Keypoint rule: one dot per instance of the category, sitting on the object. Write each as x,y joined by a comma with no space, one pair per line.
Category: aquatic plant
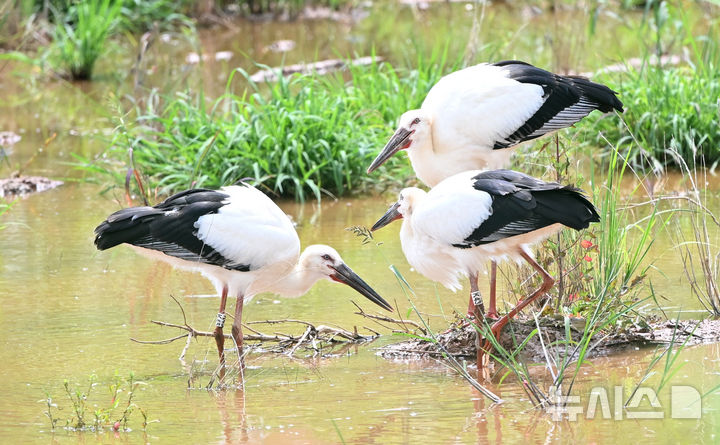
80,35
305,135
84,416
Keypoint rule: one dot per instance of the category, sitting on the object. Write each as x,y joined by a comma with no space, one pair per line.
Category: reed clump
303,136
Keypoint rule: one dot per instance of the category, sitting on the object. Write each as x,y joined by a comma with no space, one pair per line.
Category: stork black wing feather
568,99
522,204
502,181
507,210
168,227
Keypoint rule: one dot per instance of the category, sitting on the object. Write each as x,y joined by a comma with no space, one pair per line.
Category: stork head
414,127
323,262
403,208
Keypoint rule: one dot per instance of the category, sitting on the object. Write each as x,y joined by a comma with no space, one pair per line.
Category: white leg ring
220,321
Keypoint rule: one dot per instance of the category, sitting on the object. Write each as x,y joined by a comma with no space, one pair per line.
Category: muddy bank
460,342
24,185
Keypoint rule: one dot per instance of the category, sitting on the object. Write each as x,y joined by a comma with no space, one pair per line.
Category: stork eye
415,121
326,257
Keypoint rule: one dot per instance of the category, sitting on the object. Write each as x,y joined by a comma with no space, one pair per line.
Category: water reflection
233,419
481,415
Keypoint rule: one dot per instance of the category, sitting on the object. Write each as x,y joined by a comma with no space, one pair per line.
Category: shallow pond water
68,311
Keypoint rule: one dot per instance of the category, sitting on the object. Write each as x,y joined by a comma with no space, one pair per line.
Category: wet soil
460,341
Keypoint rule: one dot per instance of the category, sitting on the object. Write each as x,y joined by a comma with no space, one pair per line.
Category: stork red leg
492,311
473,290
547,283
476,309
237,326
219,323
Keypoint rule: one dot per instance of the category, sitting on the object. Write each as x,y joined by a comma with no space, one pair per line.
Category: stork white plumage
474,118
453,229
237,238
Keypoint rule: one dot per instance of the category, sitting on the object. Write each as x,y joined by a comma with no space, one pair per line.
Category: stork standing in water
238,239
473,216
474,118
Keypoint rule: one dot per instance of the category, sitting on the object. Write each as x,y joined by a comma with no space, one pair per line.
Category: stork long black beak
391,215
400,140
345,275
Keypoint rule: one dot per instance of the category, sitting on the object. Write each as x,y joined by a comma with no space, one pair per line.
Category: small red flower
586,244
587,258
116,427
573,297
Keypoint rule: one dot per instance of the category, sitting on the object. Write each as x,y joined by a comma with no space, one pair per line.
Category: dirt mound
460,342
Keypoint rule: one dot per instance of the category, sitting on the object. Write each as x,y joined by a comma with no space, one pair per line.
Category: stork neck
429,167
295,283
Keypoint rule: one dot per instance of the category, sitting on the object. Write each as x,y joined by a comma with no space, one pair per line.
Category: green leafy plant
81,34
108,417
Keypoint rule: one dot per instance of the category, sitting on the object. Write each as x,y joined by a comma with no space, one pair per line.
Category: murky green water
68,311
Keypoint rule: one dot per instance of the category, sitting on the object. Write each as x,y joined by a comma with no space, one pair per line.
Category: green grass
81,34
663,105
669,105
301,137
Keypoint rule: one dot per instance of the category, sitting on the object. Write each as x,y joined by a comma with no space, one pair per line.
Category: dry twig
316,340
400,322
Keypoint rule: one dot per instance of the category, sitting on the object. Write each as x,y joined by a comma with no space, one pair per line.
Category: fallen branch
316,340
321,67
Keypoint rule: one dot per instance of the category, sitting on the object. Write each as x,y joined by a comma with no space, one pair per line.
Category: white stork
475,117
473,216
238,239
